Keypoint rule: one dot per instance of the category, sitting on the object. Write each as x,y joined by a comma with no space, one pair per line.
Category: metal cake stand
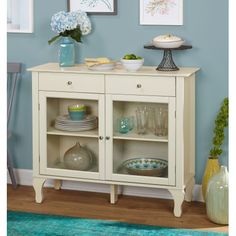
167,63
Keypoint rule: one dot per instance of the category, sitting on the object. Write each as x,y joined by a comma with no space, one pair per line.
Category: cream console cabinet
111,95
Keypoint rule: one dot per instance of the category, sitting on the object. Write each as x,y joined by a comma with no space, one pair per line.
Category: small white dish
132,65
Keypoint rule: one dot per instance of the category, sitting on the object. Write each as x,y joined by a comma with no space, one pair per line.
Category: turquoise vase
217,197
67,52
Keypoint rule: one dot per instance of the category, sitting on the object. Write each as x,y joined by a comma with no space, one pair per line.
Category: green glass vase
217,197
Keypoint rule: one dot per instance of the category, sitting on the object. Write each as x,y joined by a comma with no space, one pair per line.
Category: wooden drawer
140,85
71,82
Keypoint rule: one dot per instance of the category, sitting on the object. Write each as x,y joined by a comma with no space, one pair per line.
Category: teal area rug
29,224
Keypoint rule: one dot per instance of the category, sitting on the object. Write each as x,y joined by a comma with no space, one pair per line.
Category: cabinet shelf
140,137
89,133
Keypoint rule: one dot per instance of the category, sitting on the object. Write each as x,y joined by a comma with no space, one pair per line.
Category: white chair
13,74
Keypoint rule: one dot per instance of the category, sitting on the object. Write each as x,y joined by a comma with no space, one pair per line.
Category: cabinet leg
57,184
189,190
178,196
114,194
38,188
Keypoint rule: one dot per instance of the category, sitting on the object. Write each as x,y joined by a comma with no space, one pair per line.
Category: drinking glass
142,120
161,121
131,122
151,119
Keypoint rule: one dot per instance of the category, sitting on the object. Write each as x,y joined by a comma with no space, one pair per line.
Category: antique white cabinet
111,95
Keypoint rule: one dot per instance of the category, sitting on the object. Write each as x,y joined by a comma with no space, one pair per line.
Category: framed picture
20,16
96,7
161,12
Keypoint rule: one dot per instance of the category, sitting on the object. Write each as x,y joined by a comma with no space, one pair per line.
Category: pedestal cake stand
167,63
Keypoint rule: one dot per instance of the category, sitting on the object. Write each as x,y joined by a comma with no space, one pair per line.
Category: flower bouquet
70,24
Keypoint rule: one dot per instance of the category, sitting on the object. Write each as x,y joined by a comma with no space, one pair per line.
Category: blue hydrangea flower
62,21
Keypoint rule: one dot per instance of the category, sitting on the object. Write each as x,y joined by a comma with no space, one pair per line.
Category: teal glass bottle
67,52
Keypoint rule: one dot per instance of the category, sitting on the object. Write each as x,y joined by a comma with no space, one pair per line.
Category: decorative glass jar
78,158
67,52
217,197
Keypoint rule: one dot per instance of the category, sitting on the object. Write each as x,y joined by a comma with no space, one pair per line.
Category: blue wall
205,27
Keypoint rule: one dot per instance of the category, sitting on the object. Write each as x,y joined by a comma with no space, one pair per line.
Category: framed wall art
96,7
161,12
19,16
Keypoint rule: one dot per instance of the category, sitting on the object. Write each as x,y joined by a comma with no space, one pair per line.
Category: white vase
217,197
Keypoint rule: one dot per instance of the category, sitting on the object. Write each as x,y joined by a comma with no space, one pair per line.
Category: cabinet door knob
101,137
107,138
139,86
69,83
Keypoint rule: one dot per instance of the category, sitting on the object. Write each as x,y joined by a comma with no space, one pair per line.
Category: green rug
28,224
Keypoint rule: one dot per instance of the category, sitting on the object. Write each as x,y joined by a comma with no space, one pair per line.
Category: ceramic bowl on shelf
77,107
146,166
132,65
77,111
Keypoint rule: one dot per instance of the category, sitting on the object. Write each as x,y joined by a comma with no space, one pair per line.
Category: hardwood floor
131,209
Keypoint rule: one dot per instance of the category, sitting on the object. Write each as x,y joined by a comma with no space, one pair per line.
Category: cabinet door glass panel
72,146
142,139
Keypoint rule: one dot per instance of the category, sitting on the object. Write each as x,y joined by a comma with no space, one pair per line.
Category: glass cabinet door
140,145
71,127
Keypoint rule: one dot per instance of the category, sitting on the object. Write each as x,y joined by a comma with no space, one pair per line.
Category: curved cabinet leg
178,196
38,188
114,194
189,190
57,184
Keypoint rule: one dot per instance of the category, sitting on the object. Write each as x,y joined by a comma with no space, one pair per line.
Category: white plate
103,67
168,44
74,129
66,119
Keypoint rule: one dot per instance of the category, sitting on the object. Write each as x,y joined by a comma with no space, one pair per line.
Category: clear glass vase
67,52
217,197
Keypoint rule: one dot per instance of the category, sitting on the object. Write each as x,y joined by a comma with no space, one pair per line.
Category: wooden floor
129,209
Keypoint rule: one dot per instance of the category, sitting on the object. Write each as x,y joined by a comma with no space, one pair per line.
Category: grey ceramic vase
217,197
78,158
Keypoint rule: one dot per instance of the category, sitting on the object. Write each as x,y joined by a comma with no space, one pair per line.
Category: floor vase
217,197
212,168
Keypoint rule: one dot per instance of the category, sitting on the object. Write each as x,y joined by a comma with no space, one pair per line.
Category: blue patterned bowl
146,166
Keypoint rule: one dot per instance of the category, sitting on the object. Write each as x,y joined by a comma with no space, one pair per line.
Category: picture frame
20,16
161,12
94,7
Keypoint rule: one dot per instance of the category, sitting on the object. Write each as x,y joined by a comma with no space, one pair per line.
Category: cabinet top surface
82,69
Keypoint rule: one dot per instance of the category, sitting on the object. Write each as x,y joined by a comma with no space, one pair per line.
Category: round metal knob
69,83
107,138
139,86
101,137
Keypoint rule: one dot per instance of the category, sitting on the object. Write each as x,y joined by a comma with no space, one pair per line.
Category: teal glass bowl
77,115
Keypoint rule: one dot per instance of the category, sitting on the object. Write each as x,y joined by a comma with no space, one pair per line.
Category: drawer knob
101,137
107,138
69,83
139,86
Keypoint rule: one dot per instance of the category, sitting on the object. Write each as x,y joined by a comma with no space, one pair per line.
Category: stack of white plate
66,124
